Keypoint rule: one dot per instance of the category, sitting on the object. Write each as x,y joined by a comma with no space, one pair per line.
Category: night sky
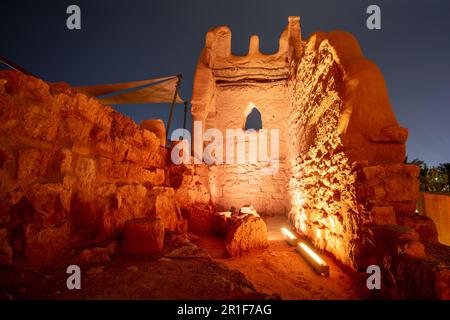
135,40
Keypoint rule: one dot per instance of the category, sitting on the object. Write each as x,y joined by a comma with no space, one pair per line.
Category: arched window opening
253,120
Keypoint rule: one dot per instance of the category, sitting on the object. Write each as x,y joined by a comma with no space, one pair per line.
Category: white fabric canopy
159,90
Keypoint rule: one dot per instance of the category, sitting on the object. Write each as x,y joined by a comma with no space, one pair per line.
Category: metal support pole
14,66
185,114
171,108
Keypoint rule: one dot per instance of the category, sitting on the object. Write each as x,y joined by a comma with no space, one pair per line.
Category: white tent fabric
159,90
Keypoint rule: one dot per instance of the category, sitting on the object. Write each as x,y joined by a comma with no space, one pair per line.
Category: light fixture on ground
318,264
289,236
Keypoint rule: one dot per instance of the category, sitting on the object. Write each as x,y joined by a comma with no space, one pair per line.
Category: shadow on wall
437,207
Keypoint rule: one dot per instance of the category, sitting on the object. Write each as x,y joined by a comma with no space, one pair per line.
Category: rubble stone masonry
72,171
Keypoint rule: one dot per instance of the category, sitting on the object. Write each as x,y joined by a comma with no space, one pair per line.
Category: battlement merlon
218,66
218,40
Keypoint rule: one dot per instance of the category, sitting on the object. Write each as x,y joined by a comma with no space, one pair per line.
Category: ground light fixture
316,262
289,236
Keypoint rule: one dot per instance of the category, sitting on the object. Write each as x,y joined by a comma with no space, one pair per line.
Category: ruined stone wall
193,195
342,152
247,184
72,171
347,151
226,89
322,183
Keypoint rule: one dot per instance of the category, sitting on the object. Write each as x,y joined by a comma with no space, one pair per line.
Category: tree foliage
432,178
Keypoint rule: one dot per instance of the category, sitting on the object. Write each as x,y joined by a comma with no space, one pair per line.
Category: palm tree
444,168
415,161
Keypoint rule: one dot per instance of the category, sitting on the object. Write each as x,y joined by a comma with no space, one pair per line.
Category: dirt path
189,274
281,270
187,271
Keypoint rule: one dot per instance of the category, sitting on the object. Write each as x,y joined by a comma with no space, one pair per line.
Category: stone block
157,127
250,234
45,245
159,177
424,226
31,163
85,170
401,189
374,173
383,215
392,134
163,201
200,218
143,236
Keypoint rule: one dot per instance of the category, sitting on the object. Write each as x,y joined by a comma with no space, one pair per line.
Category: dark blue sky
135,40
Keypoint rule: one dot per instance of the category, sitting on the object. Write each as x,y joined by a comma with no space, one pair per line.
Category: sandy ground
201,272
281,270
188,276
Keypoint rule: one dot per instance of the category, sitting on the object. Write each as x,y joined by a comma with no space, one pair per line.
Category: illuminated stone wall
72,171
347,152
247,184
226,89
343,181
322,183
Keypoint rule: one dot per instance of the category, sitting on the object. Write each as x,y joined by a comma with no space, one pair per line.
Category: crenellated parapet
218,66
255,66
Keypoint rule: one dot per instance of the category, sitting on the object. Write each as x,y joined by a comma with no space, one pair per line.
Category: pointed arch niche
253,119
